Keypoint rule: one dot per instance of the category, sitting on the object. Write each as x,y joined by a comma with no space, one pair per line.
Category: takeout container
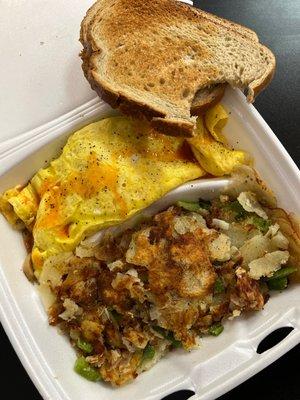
222,362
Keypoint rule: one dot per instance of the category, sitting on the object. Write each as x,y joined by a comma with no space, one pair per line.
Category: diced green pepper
83,368
84,346
194,205
216,329
278,284
204,204
240,216
219,286
188,205
175,343
168,335
261,224
149,353
160,330
115,316
235,207
282,273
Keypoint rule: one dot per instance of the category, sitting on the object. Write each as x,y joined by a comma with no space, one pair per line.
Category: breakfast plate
222,362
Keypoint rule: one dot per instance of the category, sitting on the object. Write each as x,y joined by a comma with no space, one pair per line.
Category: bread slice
206,98
159,59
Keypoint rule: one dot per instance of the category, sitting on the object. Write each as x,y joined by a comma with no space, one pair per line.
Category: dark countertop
278,25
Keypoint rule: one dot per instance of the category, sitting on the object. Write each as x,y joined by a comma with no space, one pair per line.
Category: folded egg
107,171
214,156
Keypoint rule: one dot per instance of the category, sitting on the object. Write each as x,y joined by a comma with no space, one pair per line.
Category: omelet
215,120
107,171
209,144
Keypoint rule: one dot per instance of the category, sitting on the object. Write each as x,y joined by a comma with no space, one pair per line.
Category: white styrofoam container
37,64
222,362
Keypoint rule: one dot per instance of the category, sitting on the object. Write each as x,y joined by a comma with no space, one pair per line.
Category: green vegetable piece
282,273
240,216
116,316
84,346
83,368
278,284
216,329
193,205
149,353
261,224
235,207
175,343
204,204
160,330
188,205
168,335
219,286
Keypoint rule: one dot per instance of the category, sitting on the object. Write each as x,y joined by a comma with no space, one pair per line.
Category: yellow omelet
209,144
215,120
107,171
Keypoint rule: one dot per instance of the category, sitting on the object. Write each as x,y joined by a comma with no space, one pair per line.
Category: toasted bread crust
173,127
263,83
209,98
155,102
125,105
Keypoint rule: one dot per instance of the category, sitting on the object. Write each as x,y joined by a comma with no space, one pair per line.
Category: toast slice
167,61
206,98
